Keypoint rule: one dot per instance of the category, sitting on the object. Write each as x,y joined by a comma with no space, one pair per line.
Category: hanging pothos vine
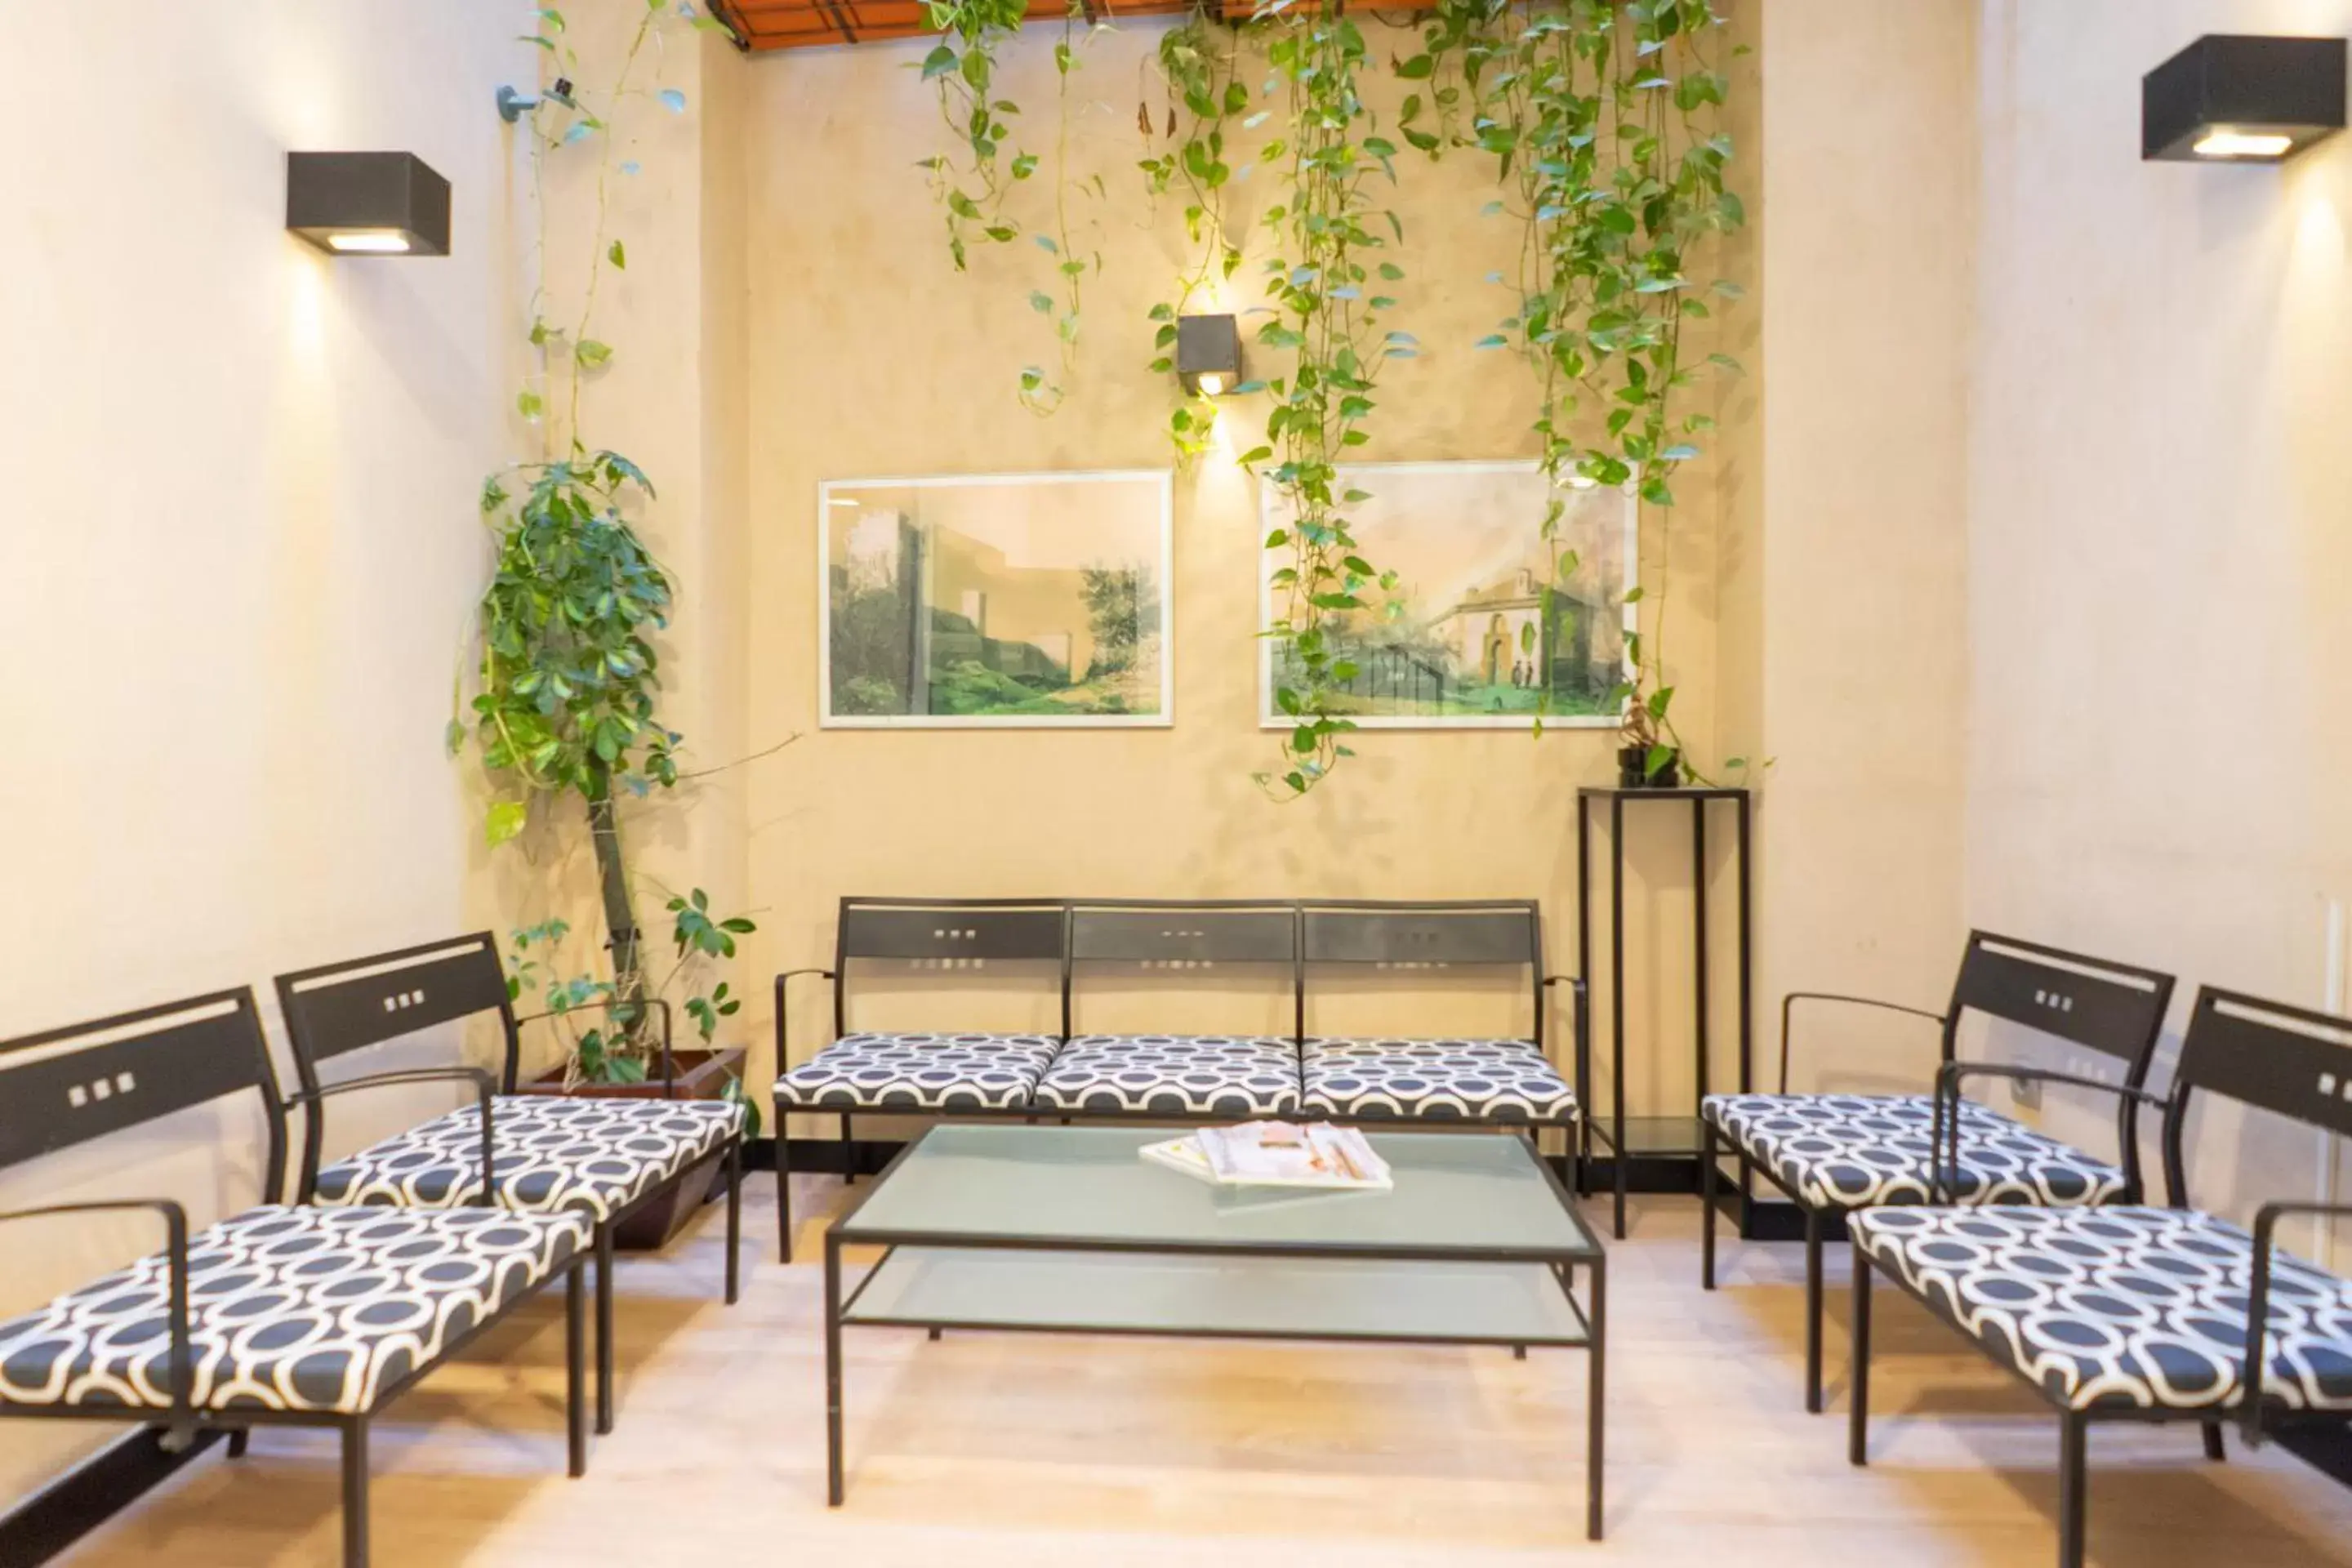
1324,315
973,184
1601,117
566,670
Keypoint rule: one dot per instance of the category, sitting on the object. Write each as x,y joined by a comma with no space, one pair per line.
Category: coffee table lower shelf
1217,1296
1221,1295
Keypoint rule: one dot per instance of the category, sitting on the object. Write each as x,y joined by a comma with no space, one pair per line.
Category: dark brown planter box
695,1075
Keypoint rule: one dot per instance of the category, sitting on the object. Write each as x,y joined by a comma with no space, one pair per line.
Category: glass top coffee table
1066,1230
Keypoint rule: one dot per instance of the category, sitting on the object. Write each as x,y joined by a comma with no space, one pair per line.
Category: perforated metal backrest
1500,932
341,1007
1484,934
1011,930
1173,933
2114,1008
67,1086
947,933
2291,1062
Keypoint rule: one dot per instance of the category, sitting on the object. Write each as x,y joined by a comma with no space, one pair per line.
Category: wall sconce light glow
2234,98
2237,145
367,203
1208,355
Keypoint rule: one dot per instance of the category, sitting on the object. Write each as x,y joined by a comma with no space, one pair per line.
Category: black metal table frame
1563,1266
1613,1133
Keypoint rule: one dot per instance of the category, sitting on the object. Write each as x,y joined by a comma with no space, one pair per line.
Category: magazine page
1282,1153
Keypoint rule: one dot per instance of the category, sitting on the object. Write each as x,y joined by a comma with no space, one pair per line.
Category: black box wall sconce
1208,355
367,203
2229,97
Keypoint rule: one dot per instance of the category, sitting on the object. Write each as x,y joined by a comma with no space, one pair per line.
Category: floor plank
1018,1449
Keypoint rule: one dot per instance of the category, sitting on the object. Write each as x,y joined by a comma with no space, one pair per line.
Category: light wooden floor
1012,1449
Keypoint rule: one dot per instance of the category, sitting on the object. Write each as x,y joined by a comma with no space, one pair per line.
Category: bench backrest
948,934
1485,934
337,1008
2115,1009
65,1087
2291,1062
1176,935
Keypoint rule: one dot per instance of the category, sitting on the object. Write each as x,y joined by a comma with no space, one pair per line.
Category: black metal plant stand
1677,1140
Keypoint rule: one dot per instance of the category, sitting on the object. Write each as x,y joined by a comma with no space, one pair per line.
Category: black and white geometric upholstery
918,1072
1175,1074
1439,1080
597,1155
2121,1308
1859,1151
289,1308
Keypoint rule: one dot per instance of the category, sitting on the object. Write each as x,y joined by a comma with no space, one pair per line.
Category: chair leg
1857,1441
848,1153
2214,1448
604,1329
239,1439
1812,1312
783,1190
1707,1205
2071,1464
355,1494
734,1222
575,1379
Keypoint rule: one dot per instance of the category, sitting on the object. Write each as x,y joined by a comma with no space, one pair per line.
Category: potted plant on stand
1647,757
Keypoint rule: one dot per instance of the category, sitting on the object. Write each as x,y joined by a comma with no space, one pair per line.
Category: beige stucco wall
871,356
239,545
2159,537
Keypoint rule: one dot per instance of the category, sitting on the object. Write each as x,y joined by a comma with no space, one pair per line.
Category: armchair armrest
2258,1307
1789,1005
657,1007
783,1039
1949,1078
181,1430
485,1090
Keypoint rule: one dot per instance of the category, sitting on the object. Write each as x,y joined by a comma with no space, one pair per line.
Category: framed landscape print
999,600
1469,639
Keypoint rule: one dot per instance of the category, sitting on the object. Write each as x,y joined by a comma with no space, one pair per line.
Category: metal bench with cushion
1495,1082
277,1315
2135,1313
1835,1155
601,1158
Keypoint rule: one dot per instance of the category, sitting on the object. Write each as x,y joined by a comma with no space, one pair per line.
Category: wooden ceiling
768,25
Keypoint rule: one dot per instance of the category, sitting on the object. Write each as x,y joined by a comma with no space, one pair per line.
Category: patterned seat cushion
1174,1075
918,1072
553,1152
2122,1308
289,1309
1851,1151
1442,1081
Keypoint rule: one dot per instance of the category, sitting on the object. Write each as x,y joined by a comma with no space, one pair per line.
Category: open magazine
1276,1155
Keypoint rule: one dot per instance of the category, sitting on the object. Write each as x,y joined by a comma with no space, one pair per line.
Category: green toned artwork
1022,599
1489,625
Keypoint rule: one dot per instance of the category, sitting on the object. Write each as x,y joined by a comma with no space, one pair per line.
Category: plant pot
694,1075
1633,770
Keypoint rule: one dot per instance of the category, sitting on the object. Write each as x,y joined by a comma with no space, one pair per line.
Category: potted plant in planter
619,1042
